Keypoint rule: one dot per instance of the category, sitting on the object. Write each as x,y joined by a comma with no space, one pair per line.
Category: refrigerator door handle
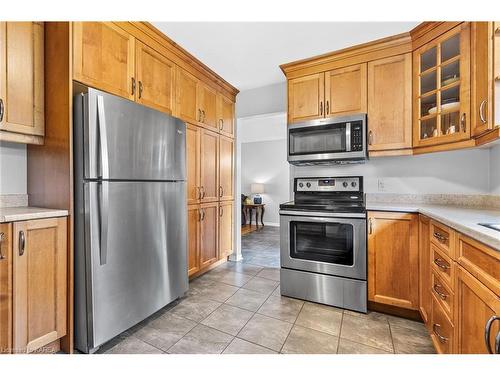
103,140
103,222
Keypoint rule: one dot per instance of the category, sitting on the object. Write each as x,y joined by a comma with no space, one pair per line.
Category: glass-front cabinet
441,81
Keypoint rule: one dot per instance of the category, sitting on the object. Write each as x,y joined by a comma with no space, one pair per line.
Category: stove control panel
328,184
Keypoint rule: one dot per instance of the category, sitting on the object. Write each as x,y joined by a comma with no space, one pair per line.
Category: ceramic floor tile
213,290
303,340
195,308
373,315
239,346
132,345
233,278
228,319
411,341
321,318
165,331
282,308
276,291
202,340
270,273
265,331
247,299
261,285
247,269
367,331
351,347
405,323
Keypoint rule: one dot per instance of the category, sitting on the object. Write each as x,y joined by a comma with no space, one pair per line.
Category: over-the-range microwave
335,140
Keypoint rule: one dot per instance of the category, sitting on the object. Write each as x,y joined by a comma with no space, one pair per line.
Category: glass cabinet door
442,88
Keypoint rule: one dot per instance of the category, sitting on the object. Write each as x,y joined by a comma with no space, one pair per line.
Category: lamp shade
257,188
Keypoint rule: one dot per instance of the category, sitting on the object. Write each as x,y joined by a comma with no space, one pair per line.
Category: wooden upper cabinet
476,304
22,81
155,79
209,166
187,96
393,259
441,85
482,80
103,57
345,91
5,288
226,168
225,229
225,115
193,139
194,217
209,234
207,102
424,272
40,283
306,98
389,103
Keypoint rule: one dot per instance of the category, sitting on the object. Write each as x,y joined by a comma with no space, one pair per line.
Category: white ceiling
248,54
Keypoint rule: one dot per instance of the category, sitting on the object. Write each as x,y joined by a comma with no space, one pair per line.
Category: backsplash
13,200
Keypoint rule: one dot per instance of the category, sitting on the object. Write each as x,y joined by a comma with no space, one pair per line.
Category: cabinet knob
1,110
321,108
221,124
487,330
370,137
370,226
2,236
199,115
22,243
327,107
481,111
140,89
133,86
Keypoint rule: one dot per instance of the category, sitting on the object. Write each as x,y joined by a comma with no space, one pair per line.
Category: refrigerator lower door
136,234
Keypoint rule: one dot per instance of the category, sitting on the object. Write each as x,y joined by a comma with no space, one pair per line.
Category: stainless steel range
323,242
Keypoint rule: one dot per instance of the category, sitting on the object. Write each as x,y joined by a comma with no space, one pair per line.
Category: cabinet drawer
443,266
443,294
481,261
442,330
443,237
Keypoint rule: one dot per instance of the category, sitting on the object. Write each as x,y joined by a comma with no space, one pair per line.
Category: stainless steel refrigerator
130,215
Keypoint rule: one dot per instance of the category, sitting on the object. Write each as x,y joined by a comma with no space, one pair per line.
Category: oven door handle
347,215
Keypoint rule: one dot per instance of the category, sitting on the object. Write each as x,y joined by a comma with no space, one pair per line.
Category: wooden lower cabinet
424,270
225,229
209,234
194,218
393,259
476,304
441,329
5,288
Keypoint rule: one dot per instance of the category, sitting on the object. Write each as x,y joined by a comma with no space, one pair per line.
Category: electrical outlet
381,185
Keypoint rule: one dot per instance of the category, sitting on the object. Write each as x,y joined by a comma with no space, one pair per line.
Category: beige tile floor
237,309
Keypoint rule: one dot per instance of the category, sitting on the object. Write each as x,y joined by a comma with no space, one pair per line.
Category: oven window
323,242
317,140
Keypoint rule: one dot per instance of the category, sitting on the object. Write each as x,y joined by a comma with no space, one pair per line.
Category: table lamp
257,189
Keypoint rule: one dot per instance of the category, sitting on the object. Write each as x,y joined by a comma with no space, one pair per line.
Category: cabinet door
345,91
225,229
40,263
194,217
193,139
226,168
22,77
393,259
155,79
207,101
208,234
389,103
424,263
209,165
306,98
187,96
225,109
476,304
482,35
5,288
103,57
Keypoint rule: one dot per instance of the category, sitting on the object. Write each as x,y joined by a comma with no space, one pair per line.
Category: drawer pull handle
440,237
2,237
481,112
441,264
440,294
22,243
441,338
487,330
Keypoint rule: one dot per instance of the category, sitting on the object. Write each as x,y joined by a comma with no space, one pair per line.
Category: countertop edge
13,214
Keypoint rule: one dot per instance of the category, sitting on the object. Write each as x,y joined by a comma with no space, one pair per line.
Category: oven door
328,245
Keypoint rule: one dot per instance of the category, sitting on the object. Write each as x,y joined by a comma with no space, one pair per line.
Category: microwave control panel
356,136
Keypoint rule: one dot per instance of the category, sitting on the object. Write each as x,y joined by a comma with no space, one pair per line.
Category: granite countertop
462,219
8,214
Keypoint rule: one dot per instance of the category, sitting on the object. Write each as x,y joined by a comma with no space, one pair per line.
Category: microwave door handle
348,136
103,137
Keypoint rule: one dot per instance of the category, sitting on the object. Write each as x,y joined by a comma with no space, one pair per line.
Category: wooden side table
247,211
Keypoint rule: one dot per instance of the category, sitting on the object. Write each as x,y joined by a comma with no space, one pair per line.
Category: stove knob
308,184
353,184
345,184
301,184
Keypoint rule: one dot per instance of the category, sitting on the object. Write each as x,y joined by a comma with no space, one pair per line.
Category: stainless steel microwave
336,140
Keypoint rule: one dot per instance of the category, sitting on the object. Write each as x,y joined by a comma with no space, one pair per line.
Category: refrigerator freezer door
135,234
127,141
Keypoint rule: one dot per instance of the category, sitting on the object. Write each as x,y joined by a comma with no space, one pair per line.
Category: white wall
454,172
13,175
495,170
262,162
262,100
